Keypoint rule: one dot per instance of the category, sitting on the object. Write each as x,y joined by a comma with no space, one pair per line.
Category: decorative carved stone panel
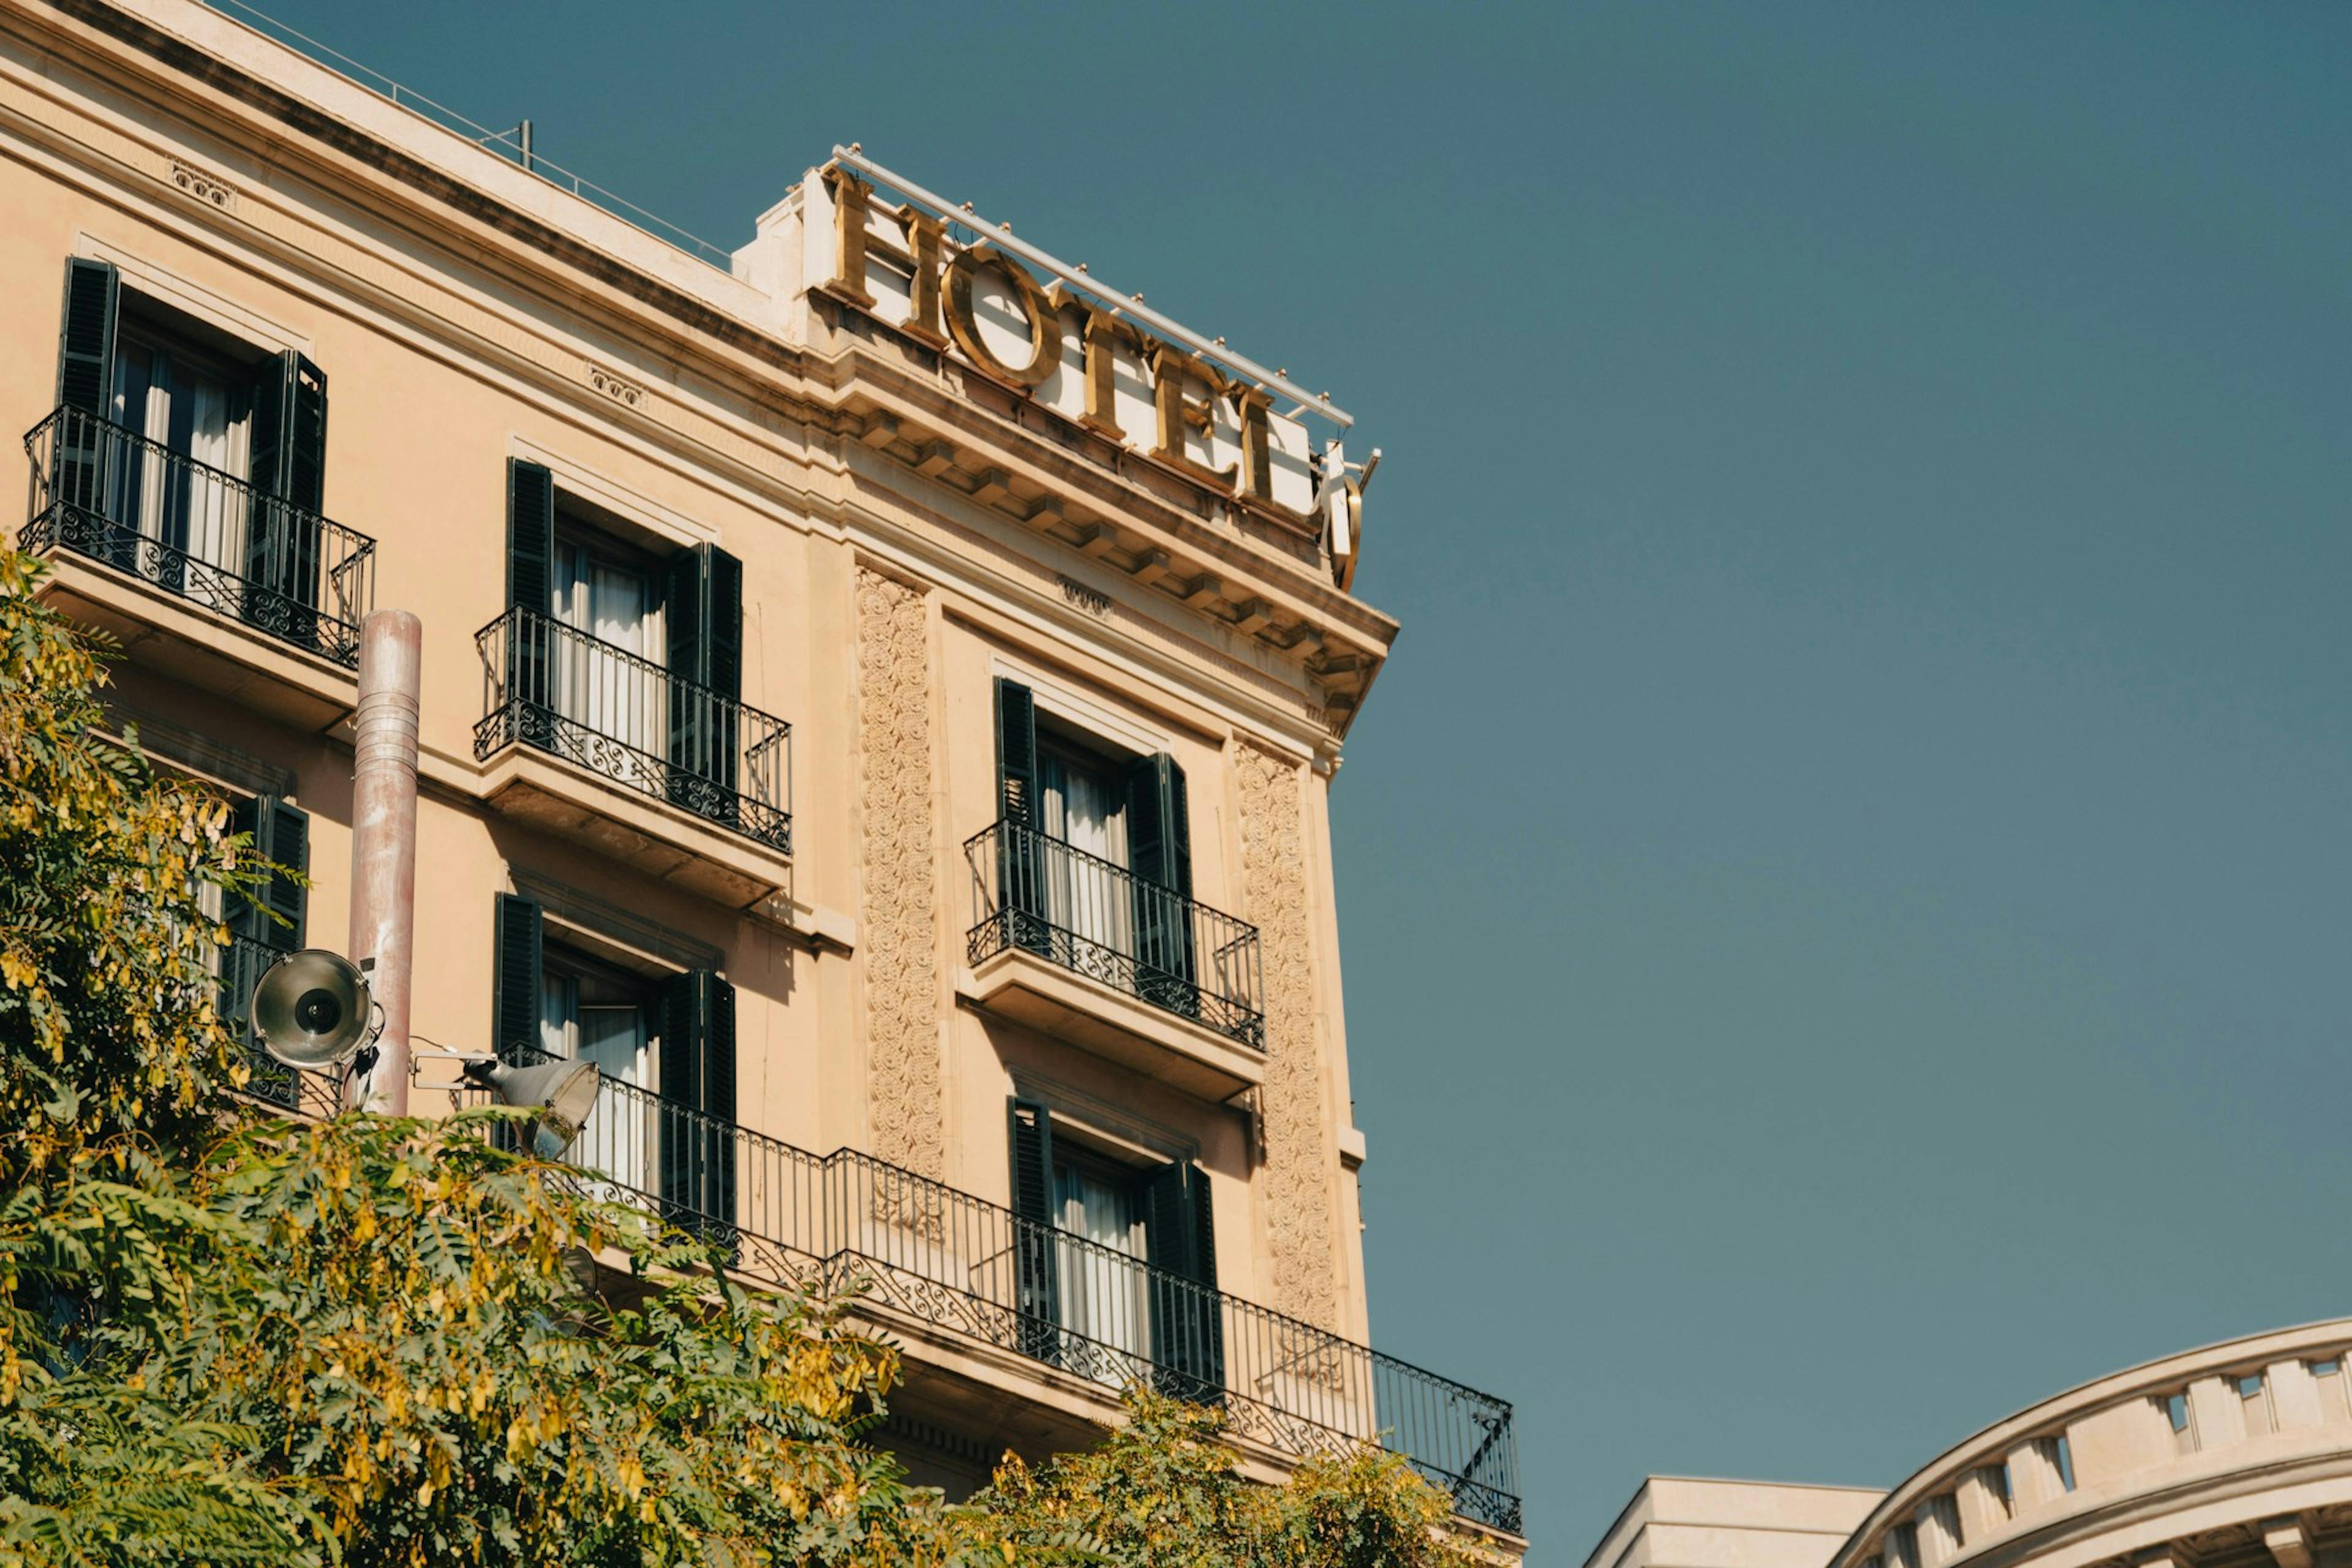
1300,1166
898,914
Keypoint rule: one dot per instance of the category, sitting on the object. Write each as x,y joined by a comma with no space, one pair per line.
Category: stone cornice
1163,530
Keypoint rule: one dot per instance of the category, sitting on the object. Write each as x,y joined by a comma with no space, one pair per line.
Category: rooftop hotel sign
1083,354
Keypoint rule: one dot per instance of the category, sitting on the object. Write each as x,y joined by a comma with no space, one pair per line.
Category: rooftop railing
952,1260
620,714
105,491
1031,891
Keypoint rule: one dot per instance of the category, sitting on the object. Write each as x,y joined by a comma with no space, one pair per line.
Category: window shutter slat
698,1072
1187,1344
1159,852
282,834
719,1104
679,1074
703,612
1168,1221
1209,1325
517,930
287,456
246,916
1205,1230
86,339
722,643
1036,1288
530,586
289,835
531,537
1176,827
1016,752
1020,859
684,608
302,468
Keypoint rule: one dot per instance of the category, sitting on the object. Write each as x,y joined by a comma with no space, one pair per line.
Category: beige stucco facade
912,533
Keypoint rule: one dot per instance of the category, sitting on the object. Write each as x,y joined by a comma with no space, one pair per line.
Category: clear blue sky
1847,876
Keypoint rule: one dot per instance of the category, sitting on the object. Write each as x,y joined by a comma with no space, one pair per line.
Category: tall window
189,403
1094,855
160,422
611,595
1083,801
593,1011
664,1041
1117,1257
609,642
1102,1294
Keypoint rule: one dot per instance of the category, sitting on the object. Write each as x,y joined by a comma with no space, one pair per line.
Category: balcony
943,1268
197,572
666,776
1087,950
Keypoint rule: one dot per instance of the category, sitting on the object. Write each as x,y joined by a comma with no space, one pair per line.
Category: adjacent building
2236,1455
880,697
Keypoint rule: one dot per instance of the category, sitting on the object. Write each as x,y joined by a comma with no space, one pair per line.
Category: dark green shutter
1180,1240
1037,1295
1208,1330
1160,853
281,836
531,537
86,341
530,588
1016,753
85,395
302,471
1158,826
1020,850
703,611
698,1075
286,456
1167,1233
514,979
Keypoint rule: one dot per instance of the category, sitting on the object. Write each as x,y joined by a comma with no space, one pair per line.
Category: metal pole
525,138
383,842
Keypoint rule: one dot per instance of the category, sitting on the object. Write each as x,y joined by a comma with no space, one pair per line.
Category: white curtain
609,694
617,1140
1087,811
193,413
1102,1296
216,510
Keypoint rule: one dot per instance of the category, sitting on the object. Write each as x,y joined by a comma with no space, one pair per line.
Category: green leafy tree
106,989
1166,1490
228,1338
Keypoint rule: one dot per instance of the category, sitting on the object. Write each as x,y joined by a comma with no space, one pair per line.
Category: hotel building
2236,1455
880,694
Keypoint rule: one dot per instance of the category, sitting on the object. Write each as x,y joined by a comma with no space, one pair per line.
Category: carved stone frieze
626,393
898,911
1300,1166
209,189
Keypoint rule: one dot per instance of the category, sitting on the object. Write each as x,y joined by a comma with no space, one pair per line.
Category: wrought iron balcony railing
1034,892
108,492
621,715
950,1260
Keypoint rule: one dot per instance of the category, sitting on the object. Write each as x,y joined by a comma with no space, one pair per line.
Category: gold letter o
1044,323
